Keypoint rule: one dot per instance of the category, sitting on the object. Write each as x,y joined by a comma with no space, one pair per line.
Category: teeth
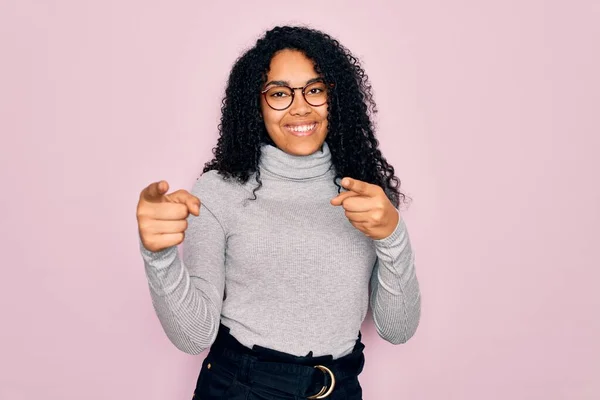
302,128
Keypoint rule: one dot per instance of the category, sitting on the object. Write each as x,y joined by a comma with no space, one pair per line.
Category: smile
301,130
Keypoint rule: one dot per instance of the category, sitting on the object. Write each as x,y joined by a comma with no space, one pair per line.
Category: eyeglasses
281,97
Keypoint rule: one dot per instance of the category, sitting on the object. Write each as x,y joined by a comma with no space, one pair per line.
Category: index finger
155,191
184,197
357,186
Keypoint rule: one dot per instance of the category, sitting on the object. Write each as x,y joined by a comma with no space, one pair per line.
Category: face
301,128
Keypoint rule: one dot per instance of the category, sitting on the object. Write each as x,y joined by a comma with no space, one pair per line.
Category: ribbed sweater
286,271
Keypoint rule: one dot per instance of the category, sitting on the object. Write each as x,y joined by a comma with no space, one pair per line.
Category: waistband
296,375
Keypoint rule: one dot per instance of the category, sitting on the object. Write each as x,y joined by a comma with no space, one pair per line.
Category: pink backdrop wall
488,111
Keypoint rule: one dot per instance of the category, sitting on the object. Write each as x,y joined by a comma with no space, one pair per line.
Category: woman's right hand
162,218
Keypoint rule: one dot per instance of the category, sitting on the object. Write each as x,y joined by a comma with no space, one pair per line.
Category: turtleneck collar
287,166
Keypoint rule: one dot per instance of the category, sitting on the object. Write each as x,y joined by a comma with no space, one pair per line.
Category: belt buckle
325,392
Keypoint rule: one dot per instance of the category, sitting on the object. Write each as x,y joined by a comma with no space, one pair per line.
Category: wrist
390,227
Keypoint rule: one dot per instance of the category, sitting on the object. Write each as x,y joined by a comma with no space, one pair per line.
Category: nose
299,105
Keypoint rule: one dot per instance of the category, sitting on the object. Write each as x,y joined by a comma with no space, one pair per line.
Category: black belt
310,377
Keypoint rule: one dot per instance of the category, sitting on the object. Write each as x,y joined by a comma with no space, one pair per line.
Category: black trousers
234,372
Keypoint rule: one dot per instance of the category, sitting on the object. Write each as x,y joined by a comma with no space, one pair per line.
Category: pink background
488,111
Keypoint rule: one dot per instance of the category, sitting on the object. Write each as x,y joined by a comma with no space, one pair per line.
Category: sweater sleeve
187,292
395,295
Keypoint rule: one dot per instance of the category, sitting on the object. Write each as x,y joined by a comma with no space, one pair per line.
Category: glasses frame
293,90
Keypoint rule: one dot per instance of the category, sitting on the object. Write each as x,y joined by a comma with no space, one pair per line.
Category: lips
302,129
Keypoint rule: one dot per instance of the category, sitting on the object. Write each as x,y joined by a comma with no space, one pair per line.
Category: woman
279,250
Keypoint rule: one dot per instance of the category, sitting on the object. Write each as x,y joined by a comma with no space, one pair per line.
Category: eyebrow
286,83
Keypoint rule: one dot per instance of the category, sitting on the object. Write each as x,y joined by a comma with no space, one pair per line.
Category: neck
277,162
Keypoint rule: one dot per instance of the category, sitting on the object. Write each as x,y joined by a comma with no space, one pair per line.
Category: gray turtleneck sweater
286,271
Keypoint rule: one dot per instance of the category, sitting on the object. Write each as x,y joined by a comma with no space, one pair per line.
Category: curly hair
350,137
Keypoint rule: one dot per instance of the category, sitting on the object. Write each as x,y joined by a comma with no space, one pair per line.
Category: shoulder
209,182
214,189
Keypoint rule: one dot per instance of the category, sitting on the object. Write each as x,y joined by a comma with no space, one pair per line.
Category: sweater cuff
395,249
158,259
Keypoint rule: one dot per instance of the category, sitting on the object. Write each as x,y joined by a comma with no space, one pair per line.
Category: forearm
184,305
395,293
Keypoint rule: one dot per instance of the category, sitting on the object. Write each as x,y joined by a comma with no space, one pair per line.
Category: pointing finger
184,197
339,199
155,191
357,186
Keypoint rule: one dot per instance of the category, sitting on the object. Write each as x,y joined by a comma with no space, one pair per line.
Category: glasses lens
316,94
279,97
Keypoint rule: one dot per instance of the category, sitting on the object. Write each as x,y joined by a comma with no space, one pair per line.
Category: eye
315,91
278,94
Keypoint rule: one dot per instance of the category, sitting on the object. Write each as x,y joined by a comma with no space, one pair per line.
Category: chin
303,149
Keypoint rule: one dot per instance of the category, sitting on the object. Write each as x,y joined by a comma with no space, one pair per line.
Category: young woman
286,229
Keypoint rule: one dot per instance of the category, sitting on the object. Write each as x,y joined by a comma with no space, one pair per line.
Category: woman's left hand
367,208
